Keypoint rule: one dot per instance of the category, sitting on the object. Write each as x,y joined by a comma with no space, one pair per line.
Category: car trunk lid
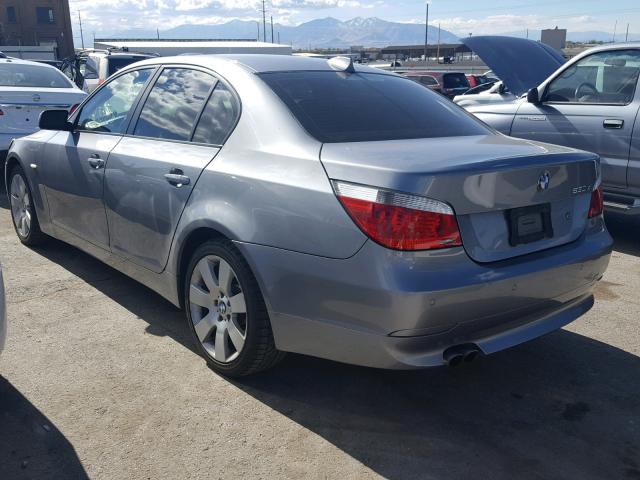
486,180
21,107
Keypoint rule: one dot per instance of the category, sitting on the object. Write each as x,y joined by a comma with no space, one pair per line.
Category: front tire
23,213
226,312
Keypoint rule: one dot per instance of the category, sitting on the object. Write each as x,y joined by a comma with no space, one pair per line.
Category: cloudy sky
459,16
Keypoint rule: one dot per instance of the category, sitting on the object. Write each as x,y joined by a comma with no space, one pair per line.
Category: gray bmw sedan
302,205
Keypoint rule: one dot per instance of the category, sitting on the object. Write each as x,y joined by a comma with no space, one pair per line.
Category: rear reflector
597,202
398,220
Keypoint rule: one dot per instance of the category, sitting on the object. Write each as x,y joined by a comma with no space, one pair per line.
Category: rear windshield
338,107
20,75
118,63
455,80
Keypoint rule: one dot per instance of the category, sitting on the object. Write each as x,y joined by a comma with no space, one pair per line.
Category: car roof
614,46
259,63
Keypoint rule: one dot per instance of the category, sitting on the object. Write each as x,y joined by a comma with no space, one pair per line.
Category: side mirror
533,96
55,120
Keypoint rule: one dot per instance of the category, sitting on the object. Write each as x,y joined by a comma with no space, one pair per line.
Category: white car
26,90
90,68
3,314
494,94
521,64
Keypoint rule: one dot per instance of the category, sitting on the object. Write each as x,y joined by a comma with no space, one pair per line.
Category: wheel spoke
221,348
200,297
236,336
205,326
237,303
204,267
225,277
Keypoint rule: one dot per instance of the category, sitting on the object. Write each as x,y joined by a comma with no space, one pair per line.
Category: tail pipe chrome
456,355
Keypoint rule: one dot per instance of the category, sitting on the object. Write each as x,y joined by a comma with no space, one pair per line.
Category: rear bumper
389,309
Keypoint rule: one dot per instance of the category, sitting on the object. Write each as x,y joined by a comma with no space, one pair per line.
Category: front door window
108,110
604,78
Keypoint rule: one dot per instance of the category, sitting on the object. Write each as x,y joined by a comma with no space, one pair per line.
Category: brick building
37,22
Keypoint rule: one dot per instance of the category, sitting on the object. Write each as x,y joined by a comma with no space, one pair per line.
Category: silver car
592,102
302,205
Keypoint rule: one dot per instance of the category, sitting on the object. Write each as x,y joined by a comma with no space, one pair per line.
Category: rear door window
115,64
359,107
218,118
174,104
428,80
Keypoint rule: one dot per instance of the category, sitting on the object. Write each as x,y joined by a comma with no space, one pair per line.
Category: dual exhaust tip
458,354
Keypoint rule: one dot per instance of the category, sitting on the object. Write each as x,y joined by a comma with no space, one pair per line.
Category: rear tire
23,212
226,312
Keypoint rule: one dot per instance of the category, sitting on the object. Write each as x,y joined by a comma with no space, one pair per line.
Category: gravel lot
99,380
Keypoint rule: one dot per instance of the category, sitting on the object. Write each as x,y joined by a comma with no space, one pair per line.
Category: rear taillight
398,220
73,108
597,202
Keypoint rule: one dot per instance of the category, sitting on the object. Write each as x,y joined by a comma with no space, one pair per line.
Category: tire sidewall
34,228
253,300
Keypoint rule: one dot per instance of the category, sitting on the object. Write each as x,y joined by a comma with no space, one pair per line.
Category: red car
448,84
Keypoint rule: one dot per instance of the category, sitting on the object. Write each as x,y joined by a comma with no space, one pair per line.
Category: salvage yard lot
99,379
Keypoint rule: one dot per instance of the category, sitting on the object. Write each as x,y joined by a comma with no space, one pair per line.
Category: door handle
95,161
613,123
177,178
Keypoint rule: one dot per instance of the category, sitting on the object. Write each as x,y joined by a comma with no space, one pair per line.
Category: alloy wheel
20,206
218,309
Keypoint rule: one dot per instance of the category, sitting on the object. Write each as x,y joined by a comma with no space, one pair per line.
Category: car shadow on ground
30,445
564,406
625,230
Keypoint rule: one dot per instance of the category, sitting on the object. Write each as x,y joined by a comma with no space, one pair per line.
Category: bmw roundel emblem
543,181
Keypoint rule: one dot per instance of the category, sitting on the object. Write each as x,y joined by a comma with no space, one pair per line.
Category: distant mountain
321,33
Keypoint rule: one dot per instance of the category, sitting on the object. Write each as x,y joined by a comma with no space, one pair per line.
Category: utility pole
271,28
158,32
426,36
438,54
615,28
81,34
527,34
258,37
278,38
626,37
264,22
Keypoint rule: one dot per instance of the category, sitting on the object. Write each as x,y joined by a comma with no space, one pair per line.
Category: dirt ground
99,379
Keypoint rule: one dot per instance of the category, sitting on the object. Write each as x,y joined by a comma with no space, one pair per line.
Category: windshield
118,63
338,107
21,75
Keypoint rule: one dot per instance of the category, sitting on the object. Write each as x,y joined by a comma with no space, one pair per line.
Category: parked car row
249,191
